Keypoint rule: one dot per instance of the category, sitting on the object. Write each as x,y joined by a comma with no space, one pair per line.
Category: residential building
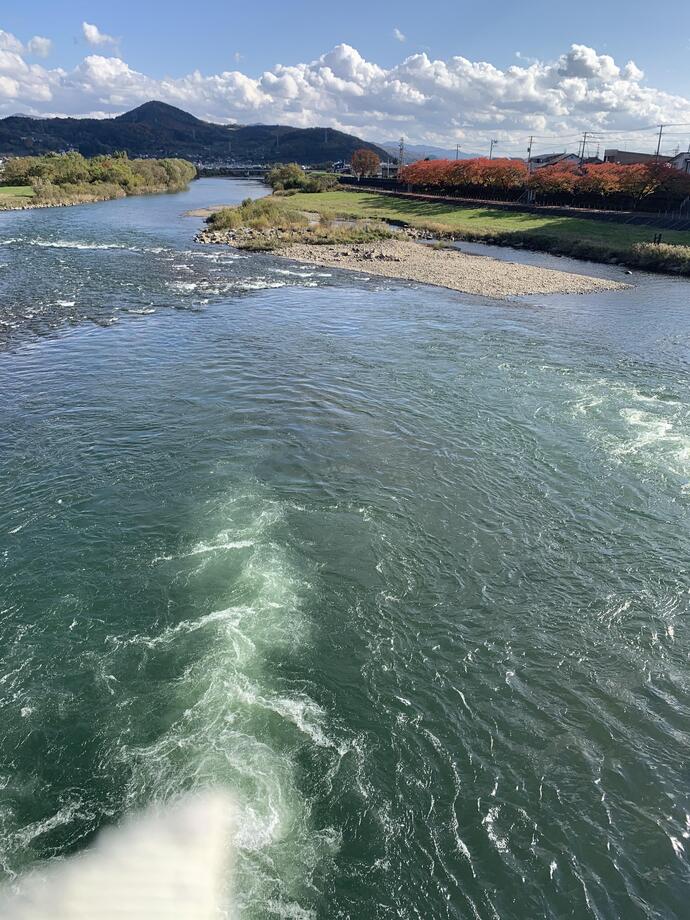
681,161
553,159
630,158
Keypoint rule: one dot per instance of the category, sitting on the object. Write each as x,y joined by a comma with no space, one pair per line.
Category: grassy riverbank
265,224
13,196
572,236
70,178
376,248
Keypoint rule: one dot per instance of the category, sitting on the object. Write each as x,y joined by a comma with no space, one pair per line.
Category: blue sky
159,45
170,38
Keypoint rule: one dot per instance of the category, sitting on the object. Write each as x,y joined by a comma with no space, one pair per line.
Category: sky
445,73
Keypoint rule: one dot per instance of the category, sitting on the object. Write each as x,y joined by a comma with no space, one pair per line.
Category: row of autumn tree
598,185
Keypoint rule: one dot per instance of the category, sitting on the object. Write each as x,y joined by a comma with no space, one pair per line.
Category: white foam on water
84,245
489,822
678,847
259,284
233,727
649,429
223,542
183,287
73,244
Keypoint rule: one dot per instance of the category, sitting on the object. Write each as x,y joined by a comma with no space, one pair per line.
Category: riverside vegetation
334,217
579,238
654,186
266,224
376,248
70,178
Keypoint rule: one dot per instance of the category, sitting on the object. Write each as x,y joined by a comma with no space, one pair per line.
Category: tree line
289,177
604,185
65,176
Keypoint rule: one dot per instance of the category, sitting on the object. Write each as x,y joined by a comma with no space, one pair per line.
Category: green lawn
16,191
477,222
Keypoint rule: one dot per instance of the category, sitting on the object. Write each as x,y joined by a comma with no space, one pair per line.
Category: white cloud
436,101
8,42
399,35
95,37
40,46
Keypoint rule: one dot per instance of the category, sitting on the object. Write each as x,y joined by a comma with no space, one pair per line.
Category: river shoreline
469,274
33,205
405,258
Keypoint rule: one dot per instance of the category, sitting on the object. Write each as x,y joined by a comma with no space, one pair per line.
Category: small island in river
376,248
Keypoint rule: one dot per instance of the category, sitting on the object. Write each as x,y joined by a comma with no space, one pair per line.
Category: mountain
421,151
158,129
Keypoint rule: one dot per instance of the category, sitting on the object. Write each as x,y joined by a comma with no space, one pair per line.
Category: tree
365,162
286,176
554,180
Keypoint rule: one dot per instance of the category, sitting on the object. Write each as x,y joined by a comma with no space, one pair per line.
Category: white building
681,161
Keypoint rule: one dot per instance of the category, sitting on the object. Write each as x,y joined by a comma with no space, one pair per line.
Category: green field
477,223
16,191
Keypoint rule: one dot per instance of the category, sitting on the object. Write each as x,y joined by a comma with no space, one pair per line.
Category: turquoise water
405,570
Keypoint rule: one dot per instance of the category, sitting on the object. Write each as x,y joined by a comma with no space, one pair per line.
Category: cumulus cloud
95,37
436,101
399,35
40,46
9,42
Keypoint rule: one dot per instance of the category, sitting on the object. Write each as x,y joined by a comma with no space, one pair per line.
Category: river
405,570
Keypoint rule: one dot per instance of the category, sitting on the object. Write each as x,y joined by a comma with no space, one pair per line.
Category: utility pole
529,154
658,143
401,153
457,151
491,149
584,146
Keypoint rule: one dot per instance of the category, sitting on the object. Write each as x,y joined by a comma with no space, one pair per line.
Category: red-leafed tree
365,162
611,184
602,179
554,180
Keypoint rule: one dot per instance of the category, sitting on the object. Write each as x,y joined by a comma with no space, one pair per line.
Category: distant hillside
161,130
422,151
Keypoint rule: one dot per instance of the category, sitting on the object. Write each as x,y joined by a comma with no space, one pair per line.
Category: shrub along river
405,570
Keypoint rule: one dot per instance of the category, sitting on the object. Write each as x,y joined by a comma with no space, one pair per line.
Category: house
681,161
553,159
629,158
389,170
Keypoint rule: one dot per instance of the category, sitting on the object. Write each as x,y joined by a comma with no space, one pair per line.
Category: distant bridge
234,172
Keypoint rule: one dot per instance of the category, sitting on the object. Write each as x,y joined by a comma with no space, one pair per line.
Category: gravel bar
447,268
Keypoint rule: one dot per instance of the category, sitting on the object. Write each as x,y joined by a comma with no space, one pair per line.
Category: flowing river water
405,570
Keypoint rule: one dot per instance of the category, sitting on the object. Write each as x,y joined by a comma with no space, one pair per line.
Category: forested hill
161,130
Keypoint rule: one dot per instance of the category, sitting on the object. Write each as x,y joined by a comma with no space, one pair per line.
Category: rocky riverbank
380,248
448,268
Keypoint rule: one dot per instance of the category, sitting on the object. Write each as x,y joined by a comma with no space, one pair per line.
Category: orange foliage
602,181
478,173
